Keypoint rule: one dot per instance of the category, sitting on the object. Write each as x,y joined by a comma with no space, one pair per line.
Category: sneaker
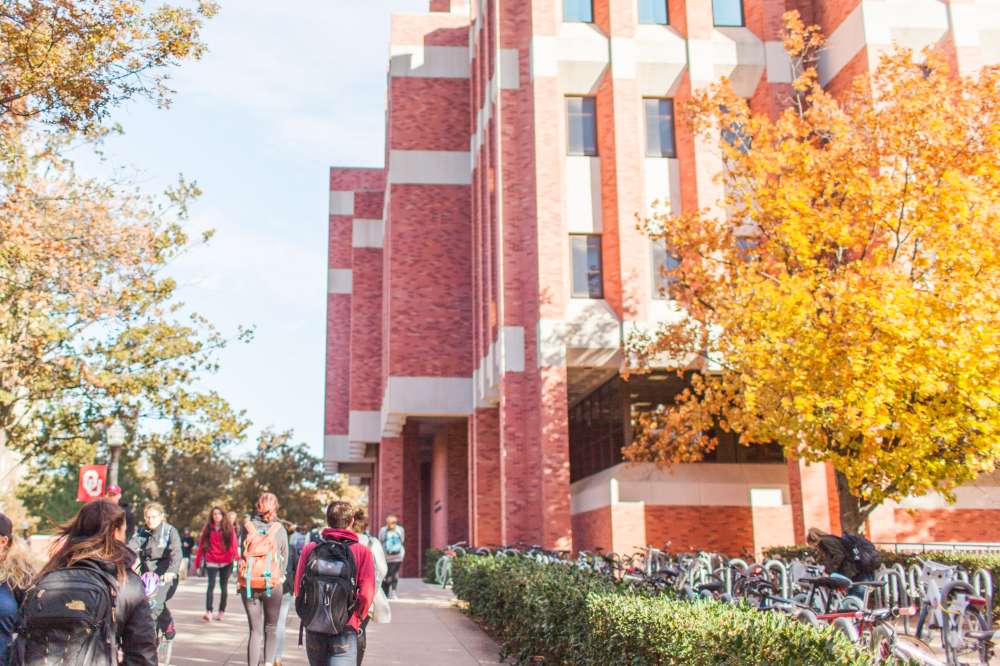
207,617
393,595
170,632
220,616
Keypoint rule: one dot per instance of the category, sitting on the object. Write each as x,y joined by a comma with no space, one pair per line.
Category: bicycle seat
712,586
834,582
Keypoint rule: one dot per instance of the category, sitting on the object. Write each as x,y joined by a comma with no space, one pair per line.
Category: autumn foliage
843,300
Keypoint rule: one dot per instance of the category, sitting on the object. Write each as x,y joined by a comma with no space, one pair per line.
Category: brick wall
726,529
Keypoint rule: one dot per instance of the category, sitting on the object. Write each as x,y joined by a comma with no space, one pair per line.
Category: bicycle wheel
959,647
847,628
439,569
882,643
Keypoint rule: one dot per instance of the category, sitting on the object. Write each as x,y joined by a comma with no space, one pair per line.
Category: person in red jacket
217,547
342,649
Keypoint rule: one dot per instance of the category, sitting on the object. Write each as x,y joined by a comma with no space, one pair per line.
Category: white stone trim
512,344
367,233
429,167
341,202
339,281
582,198
842,45
424,396
686,484
510,69
364,426
337,449
431,62
590,335
779,65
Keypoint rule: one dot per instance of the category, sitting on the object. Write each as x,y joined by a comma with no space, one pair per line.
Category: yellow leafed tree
847,303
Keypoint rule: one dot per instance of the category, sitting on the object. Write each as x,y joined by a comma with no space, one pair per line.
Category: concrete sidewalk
426,630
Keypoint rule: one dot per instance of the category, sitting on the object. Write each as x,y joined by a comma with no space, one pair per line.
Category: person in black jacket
158,546
95,539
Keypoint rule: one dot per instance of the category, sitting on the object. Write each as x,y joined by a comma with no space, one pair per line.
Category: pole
116,452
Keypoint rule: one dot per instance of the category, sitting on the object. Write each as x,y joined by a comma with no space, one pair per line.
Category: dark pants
391,580
262,616
340,650
222,573
362,645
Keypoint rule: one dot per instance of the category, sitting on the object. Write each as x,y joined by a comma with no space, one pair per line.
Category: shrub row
431,557
969,561
564,615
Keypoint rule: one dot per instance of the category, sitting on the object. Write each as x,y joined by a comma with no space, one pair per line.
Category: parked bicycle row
929,613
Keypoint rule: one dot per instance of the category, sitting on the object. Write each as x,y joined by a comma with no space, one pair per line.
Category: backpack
862,552
68,617
393,542
260,568
328,592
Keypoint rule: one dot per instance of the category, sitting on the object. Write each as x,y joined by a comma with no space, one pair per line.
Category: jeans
222,573
362,645
391,580
286,603
262,616
340,650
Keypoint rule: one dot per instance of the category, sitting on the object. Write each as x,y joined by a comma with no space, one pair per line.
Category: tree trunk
853,513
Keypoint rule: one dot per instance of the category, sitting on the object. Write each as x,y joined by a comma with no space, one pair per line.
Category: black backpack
862,552
328,593
69,618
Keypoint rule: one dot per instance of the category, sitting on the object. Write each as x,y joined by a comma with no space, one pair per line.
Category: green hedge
969,561
431,557
567,616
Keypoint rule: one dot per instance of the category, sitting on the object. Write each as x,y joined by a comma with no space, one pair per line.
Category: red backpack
260,567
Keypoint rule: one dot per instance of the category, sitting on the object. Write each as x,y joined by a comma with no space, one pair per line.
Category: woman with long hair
95,539
17,571
261,578
218,549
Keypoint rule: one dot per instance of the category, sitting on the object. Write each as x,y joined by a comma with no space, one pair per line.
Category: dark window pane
588,278
659,127
581,126
581,11
653,12
663,263
736,137
727,13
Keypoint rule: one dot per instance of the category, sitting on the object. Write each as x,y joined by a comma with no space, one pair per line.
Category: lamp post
115,437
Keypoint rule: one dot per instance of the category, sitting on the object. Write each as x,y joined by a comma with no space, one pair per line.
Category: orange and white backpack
260,568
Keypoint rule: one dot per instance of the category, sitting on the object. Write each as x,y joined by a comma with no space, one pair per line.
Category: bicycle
156,590
952,605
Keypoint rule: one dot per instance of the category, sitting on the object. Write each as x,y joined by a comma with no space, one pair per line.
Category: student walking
261,578
217,549
158,546
88,583
393,539
17,572
334,588
287,597
380,611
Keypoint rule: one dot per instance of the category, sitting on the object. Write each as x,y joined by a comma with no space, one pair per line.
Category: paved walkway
426,630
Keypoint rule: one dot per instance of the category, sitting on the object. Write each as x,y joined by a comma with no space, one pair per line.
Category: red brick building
481,284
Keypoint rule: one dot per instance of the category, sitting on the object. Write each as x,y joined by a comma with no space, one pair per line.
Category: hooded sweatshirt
366,572
215,551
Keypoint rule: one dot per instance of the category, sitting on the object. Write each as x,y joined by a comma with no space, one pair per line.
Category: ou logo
93,484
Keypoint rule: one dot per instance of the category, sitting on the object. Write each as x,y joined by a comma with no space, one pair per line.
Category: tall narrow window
653,12
588,274
581,126
578,11
663,263
659,127
727,13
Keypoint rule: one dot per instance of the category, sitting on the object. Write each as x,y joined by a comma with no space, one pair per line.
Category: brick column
484,478
409,515
390,478
554,445
457,506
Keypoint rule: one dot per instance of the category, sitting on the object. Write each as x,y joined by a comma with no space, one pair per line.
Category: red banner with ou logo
92,482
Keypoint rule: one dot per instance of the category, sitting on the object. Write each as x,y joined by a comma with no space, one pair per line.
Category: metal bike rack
735,563
982,583
913,577
782,571
894,588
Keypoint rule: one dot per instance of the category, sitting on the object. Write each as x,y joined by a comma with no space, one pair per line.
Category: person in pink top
341,649
217,547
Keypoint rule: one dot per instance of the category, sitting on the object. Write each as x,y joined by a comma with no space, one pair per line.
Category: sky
287,90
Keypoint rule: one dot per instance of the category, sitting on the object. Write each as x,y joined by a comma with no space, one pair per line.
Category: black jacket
832,554
136,631
159,550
